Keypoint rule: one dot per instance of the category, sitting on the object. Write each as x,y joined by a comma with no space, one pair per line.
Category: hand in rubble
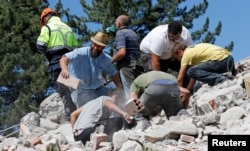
128,118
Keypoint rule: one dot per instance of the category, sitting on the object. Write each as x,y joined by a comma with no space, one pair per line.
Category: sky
233,15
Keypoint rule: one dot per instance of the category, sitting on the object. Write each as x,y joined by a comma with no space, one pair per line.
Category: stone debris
222,109
133,106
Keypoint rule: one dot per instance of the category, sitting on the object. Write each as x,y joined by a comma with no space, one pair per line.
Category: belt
164,82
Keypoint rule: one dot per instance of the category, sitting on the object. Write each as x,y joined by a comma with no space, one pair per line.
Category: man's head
99,41
177,51
119,97
46,14
122,21
174,30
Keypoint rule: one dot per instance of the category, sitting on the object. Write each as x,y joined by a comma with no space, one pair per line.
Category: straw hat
100,39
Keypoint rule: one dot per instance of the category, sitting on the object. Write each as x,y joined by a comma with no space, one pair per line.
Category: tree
23,75
77,23
146,14
24,81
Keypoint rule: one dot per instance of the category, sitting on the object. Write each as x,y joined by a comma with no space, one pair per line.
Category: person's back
158,42
127,52
142,81
204,62
99,111
155,89
202,52
157,34
61,34
90,115
55,39
131,44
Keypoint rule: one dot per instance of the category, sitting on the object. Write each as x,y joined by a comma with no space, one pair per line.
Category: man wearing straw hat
88,64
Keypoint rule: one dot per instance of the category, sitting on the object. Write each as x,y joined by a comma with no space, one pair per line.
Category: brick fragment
187,138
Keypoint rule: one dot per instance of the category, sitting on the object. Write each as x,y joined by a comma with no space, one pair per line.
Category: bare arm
155,62
111,106
74,115
120,54
64,66
181,75
133,95
191,84
185,97
117,81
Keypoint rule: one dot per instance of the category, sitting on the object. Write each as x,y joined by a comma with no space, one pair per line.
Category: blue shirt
87,69
128,39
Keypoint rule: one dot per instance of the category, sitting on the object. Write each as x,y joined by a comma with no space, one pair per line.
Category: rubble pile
221,109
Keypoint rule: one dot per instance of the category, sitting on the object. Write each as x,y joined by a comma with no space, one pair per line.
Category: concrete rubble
222,109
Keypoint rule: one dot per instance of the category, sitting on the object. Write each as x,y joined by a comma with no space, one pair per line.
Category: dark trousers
210,72
175,66
166,96
169,63
65,94
111,125
128,75
164,64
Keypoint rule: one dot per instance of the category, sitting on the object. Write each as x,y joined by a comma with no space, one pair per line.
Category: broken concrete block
97,139
247,85
211,118
35,140
187,138
70,82
133,106
202,109
25,130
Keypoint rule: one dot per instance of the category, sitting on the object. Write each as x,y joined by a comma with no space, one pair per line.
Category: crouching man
100,111
157,90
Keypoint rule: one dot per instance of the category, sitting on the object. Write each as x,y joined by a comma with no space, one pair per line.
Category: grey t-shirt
92,112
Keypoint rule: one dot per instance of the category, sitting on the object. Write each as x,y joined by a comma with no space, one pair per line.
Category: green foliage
230,46
147,14
23,74
53,147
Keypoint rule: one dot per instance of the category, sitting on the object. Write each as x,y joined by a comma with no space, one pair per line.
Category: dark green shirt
141,82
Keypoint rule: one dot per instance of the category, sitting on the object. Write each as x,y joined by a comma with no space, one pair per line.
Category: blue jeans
210,72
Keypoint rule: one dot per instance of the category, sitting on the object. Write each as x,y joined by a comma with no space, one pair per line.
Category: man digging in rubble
203,62
100,111
157,89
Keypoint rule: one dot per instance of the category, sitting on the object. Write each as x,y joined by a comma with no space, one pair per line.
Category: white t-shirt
157,41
